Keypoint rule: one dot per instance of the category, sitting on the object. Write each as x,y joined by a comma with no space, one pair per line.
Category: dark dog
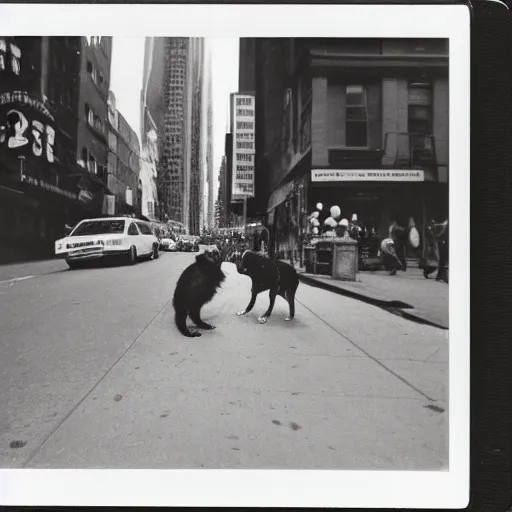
278,277
197,286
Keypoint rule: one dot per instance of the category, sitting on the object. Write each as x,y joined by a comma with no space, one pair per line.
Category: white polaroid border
260,488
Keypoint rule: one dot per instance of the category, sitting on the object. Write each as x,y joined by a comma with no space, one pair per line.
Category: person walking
389,256
440,237
399,236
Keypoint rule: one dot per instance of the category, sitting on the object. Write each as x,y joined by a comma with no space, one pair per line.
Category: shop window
356,117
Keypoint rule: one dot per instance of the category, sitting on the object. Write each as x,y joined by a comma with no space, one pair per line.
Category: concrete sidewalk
408,293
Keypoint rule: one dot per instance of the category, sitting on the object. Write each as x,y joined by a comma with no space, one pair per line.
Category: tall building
152,108
358,123
92,143
175,114
209,142
45,83
222,195
247,65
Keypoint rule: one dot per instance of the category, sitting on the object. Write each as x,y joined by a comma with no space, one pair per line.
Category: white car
91,239
168,244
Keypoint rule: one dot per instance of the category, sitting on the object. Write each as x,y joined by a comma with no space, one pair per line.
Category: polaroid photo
224,257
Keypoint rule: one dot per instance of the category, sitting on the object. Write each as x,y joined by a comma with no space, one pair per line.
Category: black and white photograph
225,245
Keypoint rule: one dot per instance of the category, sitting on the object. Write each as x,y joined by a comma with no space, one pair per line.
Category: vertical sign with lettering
243,108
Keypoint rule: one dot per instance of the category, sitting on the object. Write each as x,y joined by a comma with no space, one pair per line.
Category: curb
395,307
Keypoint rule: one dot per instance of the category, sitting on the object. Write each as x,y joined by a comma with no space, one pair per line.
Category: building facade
92,144
222,195
123,163
175,112
42,187
152,108
361,124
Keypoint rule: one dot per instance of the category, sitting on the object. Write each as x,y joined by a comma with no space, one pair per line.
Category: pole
245,215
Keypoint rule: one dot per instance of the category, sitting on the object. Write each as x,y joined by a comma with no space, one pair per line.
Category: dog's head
237,257
211,255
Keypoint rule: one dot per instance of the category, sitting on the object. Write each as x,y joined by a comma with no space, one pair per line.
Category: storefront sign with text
35,182
330,175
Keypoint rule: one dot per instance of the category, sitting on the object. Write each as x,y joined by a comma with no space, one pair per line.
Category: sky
126,83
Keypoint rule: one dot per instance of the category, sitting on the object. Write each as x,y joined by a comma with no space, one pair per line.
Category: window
99,227
3,55
15,59
132,230
89,114
92,165
420,109
356,120
144,228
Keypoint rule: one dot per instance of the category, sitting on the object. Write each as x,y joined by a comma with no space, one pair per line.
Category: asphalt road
94,374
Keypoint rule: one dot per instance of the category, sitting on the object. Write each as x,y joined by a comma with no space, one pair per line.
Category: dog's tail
180,318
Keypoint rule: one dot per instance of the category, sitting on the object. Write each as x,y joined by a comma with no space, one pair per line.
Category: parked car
119,237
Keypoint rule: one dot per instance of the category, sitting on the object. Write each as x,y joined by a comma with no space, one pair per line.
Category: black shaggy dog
278,277
197,286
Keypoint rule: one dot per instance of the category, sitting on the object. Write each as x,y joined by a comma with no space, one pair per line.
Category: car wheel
73,264
155,253
132,257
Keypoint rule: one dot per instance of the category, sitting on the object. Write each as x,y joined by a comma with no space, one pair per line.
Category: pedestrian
390,259
399,236
441,239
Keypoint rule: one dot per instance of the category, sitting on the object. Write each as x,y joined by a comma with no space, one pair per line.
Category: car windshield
99,227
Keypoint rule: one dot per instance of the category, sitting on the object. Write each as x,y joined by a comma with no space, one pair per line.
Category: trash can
345,259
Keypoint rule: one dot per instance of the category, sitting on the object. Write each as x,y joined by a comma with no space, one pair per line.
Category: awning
279,195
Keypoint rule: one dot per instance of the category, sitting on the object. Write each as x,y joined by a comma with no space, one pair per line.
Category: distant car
120,237
187,244
168,244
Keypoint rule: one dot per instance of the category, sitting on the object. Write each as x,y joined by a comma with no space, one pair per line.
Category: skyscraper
209,141
176,102
152,106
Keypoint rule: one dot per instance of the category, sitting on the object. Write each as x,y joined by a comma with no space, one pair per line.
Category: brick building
362,124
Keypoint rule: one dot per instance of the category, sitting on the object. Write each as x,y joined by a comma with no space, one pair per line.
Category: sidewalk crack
366,353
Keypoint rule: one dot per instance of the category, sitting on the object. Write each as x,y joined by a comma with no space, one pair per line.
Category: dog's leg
181,323
250,305
195,315
272,296
290,298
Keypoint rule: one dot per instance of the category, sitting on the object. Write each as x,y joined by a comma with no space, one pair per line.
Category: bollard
345,259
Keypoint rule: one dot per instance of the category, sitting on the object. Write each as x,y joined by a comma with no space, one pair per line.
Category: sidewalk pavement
408,293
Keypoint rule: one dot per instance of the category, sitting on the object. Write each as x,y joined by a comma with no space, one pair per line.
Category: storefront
34,213
379,197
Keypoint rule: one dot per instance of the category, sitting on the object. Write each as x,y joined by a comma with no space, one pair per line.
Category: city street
94,374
